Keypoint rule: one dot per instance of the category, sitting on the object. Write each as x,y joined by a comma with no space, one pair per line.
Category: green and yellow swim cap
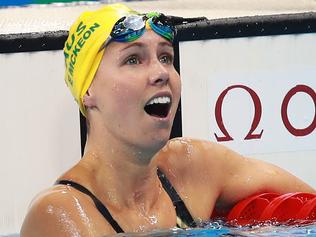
81,50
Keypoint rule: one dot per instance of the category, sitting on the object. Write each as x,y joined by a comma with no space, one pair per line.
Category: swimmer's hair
81,50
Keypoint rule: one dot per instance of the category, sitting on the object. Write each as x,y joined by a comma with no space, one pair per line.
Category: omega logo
258,111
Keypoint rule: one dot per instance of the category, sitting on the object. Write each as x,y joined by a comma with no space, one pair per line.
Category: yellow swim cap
81,50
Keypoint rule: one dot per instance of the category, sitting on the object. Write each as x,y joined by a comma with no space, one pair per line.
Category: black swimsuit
184,218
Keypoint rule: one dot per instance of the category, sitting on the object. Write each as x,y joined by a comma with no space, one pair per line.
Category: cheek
124,95
177,86
118,91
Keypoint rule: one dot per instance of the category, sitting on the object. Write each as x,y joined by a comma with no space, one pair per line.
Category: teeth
160,100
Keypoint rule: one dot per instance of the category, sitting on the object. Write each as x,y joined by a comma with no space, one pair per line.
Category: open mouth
158,106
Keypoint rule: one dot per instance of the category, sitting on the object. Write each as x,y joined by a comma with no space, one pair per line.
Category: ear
89,99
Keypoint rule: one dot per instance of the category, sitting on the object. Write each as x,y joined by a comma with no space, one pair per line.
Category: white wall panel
39,124
270,66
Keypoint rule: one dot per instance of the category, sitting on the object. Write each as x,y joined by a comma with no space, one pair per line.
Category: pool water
218,229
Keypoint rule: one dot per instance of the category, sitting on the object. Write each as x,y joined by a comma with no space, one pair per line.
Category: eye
166,59
132,60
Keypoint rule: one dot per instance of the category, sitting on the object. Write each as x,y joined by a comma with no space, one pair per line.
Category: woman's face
137,91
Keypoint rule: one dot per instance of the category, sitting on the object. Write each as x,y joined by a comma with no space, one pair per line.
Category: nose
159,74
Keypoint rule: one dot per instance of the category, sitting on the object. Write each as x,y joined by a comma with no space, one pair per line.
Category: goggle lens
131,27
134,22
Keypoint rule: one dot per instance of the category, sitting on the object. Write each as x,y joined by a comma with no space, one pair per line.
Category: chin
157,143
162,142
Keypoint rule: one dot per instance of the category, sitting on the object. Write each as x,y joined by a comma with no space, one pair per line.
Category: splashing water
220,229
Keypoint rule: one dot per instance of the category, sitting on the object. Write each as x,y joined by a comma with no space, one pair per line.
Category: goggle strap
160,31
105,43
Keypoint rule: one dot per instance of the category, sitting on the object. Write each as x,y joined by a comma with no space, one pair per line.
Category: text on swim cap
76,44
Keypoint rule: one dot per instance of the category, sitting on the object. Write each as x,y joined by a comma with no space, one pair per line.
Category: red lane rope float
249,209
308,211
285,207
273,206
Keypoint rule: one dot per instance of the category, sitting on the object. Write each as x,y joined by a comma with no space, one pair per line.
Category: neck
123,176
124,184
111,145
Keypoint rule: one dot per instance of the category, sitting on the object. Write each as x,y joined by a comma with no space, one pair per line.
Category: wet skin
126,145
130,75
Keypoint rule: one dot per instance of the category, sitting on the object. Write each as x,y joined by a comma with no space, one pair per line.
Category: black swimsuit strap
181,209
102,209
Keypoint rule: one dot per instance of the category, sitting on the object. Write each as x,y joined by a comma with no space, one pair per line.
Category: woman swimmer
119,67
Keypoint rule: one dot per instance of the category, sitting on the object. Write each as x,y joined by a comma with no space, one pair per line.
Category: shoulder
48,213
196,169
195,163
60,211
187,152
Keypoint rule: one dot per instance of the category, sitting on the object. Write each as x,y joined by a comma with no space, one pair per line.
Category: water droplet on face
50,209
84,217
170,171
188,147
174,145
141,228
66,222
112,197
68,189
153,220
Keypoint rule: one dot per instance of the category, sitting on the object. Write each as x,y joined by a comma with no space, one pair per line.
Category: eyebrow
142,45
133,44
166,43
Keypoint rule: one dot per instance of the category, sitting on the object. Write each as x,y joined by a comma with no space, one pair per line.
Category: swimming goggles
131,27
